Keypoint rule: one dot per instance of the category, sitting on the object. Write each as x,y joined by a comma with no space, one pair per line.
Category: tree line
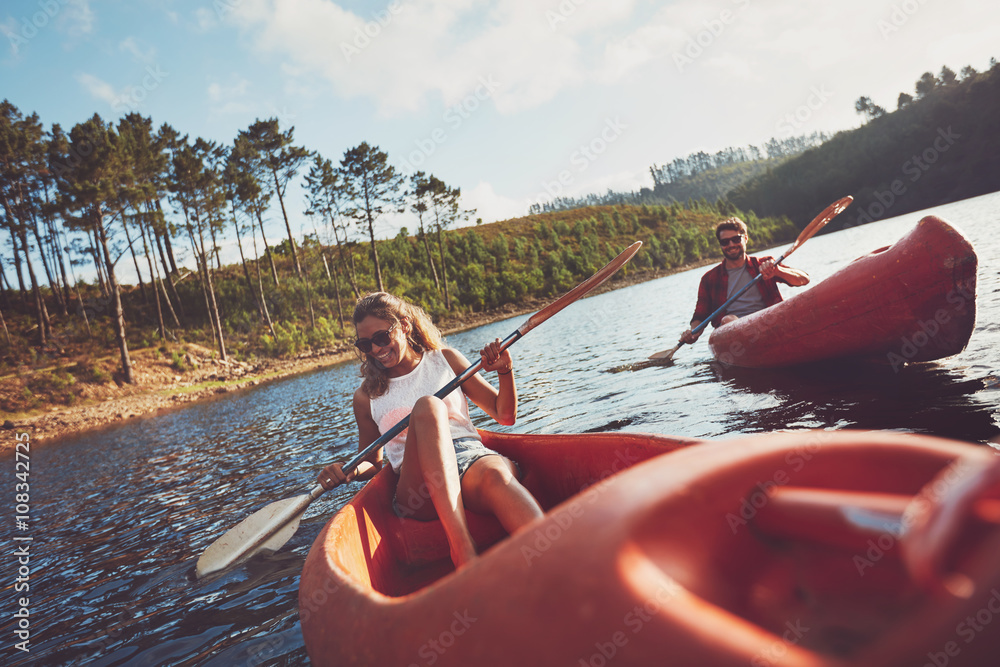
111,192
701,162
939,145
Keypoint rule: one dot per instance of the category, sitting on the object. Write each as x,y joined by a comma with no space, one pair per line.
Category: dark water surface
118,518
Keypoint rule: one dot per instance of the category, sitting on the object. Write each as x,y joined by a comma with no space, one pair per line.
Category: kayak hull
371,575
912,301
675,561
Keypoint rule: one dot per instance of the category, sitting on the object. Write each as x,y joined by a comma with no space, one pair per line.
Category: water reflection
924,398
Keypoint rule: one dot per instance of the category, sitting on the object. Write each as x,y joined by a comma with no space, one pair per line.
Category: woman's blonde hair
384,306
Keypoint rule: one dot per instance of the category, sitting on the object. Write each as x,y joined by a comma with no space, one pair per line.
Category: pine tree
89,185
372,186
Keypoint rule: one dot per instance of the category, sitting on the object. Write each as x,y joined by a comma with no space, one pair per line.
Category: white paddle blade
267,528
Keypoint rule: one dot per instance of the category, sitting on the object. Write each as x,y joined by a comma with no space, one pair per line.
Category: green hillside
941,146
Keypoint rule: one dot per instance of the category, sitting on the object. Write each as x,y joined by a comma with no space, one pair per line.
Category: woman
440,456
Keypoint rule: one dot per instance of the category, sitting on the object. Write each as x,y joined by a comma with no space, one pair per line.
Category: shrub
288,340
177,362
323,334
86,371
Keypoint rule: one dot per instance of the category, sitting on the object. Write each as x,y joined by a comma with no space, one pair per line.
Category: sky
513,101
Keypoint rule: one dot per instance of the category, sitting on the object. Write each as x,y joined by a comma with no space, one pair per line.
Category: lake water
119,517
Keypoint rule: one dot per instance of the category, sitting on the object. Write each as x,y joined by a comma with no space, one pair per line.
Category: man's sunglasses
380,338
732,239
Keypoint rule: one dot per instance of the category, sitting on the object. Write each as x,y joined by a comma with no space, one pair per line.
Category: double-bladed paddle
271,527
828,214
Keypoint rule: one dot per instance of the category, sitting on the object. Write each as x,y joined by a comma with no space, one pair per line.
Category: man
735,271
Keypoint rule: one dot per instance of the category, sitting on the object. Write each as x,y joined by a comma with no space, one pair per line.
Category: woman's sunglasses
732,239
380,338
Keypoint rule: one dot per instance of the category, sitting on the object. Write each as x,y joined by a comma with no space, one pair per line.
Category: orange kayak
370,572
804,549
912,301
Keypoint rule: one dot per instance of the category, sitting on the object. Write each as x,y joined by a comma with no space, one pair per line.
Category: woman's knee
491,474
429,409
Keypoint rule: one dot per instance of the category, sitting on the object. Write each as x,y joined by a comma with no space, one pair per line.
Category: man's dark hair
732,224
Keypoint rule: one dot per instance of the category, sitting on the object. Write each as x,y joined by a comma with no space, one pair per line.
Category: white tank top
432,372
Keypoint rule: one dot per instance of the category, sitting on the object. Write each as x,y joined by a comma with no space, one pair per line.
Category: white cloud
448,47
648,43
491,206
206,19
9,28
237,87
230,98
730,65
131,45
98,88
622,181
76,18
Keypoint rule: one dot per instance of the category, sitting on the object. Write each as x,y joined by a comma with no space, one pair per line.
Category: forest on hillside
941,144
106,193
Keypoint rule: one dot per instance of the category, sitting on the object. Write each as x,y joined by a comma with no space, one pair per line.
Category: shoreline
158,393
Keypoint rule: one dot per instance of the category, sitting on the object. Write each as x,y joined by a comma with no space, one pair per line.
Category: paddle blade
580,290
268,528
665,355
820,221
640,365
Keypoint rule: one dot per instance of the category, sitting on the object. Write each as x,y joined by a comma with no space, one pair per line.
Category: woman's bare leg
429,469
490,486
